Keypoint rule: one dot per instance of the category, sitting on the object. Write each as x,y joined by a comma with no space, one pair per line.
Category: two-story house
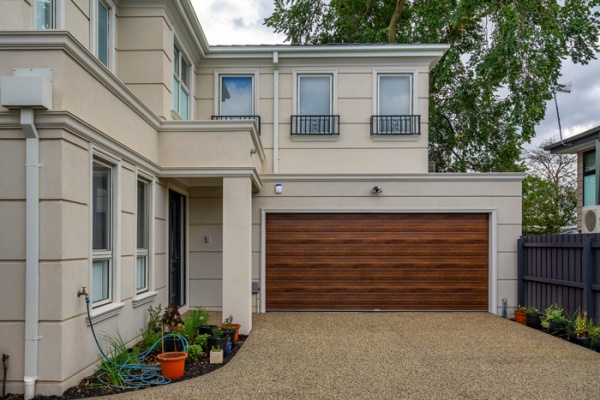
142,164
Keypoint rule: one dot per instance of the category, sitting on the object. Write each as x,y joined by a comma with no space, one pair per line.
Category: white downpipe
275,112
32,280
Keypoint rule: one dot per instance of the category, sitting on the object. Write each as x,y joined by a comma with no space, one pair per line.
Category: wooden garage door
377,262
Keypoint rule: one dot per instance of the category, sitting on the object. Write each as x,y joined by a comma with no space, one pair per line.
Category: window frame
410,79
110,32
333,122
591,172
180,58
299,92
100,255
252,77
144,251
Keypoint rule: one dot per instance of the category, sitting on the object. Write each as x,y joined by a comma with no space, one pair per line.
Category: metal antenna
565,88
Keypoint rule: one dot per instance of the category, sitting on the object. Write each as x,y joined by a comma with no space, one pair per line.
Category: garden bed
91,387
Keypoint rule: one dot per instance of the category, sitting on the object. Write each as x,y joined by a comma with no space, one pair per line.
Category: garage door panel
384,226
377,261
358,250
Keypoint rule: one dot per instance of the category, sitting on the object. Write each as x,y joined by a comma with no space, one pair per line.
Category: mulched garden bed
90,387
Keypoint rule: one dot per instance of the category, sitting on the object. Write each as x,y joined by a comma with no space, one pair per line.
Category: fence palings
562,269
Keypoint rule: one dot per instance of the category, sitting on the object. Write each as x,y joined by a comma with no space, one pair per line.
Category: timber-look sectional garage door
351,261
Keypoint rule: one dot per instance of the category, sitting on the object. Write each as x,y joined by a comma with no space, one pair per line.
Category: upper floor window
102,28
589,178
237,98
102,215
237,95
315,106
141,275
181,84
394,106
45,14
103,32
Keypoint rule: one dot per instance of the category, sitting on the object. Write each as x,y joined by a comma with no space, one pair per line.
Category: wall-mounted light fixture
278,188
376,190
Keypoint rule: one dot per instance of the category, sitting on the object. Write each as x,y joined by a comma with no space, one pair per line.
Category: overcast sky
241,22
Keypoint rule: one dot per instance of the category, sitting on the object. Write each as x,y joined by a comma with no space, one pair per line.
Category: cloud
236,21
579,109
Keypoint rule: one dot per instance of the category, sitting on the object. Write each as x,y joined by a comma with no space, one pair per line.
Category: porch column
237,251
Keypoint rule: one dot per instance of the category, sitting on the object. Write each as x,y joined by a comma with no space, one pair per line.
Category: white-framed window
102,232
102,31
181,83
142,237
315,104
394,94
395,110
236,95
315,94
45,14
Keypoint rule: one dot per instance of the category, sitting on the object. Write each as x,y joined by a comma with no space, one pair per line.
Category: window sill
396,138
315,138
144,298
105,312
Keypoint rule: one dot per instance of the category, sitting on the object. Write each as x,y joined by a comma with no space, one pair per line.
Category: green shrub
195,318
194,352
202,340
149,337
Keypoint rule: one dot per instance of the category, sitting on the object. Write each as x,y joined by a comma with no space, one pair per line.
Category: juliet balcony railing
232,117
395,125
315,125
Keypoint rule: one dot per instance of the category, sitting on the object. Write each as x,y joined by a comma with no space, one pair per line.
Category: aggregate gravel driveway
394,356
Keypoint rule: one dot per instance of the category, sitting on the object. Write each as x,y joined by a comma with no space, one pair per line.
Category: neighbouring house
143,164
585,145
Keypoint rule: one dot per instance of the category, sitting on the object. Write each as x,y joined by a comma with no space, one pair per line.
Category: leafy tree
547,207
489,89
549,191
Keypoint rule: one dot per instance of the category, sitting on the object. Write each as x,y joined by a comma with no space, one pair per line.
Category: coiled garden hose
133,375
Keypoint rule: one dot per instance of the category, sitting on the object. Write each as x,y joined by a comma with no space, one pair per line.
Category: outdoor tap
81,292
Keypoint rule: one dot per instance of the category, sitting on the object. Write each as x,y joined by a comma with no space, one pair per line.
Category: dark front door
177,250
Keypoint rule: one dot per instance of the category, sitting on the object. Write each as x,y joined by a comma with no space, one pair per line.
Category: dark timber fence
562,269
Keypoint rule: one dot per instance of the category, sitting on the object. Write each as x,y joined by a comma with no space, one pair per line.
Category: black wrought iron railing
315,125
395,125
233,117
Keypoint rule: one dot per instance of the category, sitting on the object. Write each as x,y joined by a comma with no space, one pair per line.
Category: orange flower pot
237,330
172,364
520,317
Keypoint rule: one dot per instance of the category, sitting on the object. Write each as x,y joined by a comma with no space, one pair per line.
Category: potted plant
216,355
218,339
172,364
520,314
228,325
584,328
173,323
174,350
555,321
595,335
532,317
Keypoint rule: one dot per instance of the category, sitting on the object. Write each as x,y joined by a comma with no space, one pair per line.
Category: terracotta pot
237,330
172,364
520,317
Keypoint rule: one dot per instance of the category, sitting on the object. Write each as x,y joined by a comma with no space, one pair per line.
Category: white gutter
32,278
275,112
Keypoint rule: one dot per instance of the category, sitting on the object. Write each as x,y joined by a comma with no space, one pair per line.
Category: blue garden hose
134,375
